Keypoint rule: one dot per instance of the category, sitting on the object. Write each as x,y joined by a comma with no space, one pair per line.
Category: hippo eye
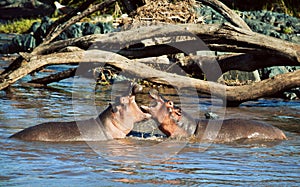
153,104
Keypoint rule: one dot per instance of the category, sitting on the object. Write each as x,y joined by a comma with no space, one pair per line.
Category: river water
114,164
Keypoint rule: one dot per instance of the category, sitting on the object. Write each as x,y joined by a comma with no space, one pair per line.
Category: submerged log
55,77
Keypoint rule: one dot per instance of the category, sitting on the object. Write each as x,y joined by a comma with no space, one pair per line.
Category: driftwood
234,95
125,49
229,14
55,78
224,38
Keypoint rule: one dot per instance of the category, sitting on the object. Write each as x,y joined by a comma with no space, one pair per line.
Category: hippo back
240,129
64,131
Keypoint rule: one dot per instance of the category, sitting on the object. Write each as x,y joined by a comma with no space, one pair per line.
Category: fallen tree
249,51
233,95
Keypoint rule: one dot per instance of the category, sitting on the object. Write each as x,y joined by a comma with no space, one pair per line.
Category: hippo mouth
156,99
145,109
135,89
154,95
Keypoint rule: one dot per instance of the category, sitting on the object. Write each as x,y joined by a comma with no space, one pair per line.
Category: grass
17,26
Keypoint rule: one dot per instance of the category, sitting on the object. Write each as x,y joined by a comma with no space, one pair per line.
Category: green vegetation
17,26
287,30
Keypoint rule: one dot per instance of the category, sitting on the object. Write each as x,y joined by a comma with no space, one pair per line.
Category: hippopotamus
174,122
116,121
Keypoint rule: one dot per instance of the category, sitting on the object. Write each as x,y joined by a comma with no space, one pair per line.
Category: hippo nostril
169,103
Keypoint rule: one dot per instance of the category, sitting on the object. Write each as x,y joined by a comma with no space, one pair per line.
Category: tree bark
228,14
239,61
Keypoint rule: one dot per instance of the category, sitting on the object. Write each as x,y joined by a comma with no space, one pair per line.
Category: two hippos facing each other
175,123
116,121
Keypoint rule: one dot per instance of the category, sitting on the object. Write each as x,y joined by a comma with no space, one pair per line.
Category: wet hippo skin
175,123
116,121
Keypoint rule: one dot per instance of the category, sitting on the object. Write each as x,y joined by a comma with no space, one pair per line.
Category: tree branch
228,14
231,94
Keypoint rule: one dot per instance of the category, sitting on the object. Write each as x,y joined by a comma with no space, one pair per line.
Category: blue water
77,164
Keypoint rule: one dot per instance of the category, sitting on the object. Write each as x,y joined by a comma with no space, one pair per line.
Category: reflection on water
76,164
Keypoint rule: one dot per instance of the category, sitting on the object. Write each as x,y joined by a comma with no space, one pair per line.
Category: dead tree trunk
232,95
252,49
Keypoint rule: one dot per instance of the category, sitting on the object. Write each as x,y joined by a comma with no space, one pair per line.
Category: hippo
173,122
115,122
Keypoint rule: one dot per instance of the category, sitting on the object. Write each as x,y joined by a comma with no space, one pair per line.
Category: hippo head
169,117
120,117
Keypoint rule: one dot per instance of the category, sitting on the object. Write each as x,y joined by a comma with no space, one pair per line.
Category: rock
15,9
211,115
40,32
20,43
272,71
106,27
89,28
37,33
74,31
290,95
